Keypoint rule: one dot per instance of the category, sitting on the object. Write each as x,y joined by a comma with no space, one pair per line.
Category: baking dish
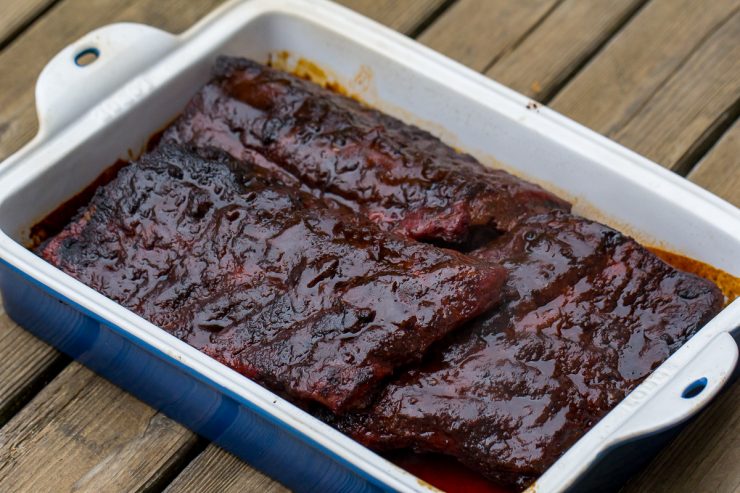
91,116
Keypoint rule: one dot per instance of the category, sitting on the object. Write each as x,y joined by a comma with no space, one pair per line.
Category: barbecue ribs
400,176
587,314
310,300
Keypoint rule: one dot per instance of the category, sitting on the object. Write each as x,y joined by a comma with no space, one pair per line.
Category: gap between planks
17,16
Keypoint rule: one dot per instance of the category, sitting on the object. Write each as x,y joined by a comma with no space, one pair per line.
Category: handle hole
87,57
694,388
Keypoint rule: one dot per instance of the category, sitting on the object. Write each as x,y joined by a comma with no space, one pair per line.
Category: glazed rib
587,314
310,300
401,177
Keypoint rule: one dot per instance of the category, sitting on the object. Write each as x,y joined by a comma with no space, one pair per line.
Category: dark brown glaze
588,313
400,176
309,300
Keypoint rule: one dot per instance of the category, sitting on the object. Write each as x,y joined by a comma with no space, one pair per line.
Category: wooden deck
661,77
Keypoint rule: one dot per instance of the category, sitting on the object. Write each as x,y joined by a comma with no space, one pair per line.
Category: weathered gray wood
82,433
638,61
66,23
698,98
557,47
667,41
404,16
217,471
704,458
719,170
23,359
659,87
476,33
90,435
24,363
17,13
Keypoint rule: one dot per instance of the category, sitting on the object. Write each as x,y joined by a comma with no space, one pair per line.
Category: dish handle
90,69
684,394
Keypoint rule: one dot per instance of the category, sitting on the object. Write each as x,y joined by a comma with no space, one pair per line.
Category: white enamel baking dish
91,116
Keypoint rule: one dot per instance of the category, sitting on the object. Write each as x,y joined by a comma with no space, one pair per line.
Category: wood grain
25,364
18,13
700,96
617,83
557,47
477,33
405,16
665,113
719,170
64,24
82,433
217,471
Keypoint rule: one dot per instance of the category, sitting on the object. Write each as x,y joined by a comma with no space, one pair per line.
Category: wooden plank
514,44
556,48
25,364
18,13
719,170
659,87
82,433
700,97
405,16
617,83
217,471
476,34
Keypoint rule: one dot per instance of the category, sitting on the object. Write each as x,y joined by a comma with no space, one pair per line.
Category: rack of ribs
586,315
401,177
308,299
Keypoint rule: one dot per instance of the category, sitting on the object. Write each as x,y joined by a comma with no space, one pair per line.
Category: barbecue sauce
727,283
445,473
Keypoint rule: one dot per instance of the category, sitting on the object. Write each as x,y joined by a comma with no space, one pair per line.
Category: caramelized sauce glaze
727,283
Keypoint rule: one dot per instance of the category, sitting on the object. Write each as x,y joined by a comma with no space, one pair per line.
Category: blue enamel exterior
178,391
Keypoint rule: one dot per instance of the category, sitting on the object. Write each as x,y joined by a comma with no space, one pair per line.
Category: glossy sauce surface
726,282
310,300
450,476
446,474
401,177
587,314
